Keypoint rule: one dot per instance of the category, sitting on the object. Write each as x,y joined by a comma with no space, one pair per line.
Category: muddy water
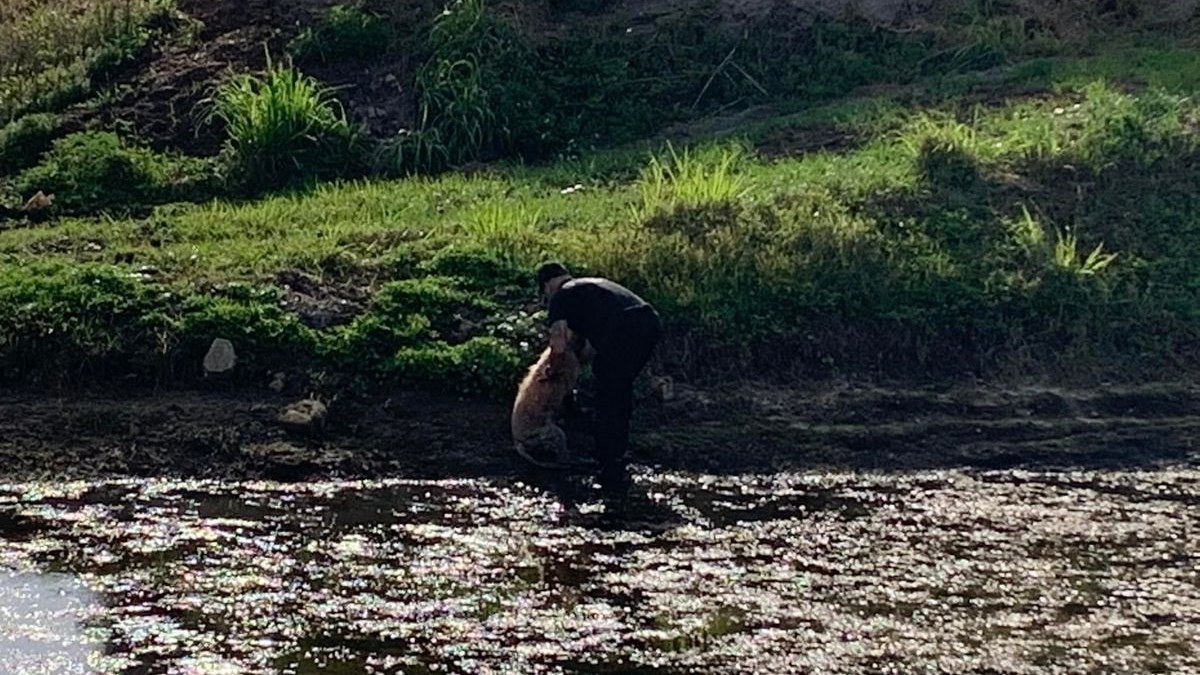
941,571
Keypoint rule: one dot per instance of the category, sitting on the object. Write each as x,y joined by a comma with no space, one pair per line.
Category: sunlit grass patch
946,236
692,178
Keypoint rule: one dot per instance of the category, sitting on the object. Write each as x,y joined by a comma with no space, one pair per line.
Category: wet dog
536,434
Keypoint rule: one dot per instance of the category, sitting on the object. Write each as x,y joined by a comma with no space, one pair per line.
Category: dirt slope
159,96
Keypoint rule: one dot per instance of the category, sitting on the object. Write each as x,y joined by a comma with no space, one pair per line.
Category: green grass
690,180
90,171
1024,235
283,126
342,31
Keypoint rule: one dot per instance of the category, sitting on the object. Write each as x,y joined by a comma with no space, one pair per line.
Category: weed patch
343,31
24,141
74,323
51,52
282,127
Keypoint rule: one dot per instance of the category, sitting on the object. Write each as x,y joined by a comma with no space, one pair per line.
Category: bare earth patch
233,434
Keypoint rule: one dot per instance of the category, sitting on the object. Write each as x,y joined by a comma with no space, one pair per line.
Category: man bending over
623,329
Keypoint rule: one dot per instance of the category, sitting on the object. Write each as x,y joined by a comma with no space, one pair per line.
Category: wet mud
846,530
945,571
741,428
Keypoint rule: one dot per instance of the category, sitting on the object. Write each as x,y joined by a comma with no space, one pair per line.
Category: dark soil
801,140
321,304
741,428
160,97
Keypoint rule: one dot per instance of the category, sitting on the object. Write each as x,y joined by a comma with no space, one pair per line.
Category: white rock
221,358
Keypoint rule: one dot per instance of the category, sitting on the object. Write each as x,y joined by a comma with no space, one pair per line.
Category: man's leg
614,404
615,369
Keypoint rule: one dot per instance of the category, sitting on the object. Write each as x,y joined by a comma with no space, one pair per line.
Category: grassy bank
1051,232
994,193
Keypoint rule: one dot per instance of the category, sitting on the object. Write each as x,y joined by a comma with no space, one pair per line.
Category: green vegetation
465,91
345,30
1005,206
1043,234
100,170
52,51
25,140
283,126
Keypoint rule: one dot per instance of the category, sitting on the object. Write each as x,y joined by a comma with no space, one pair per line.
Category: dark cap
550,270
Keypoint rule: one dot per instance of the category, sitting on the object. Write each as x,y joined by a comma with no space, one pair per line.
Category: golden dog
539,399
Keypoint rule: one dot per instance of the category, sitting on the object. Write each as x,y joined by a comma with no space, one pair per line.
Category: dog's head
560,337
562,361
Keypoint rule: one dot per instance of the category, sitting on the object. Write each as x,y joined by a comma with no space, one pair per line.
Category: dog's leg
546,448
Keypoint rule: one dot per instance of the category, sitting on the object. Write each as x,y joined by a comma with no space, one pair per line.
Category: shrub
482,366
25,140
99,170
440,300
478,269
263,334
344,30
283,126
68,322
404,314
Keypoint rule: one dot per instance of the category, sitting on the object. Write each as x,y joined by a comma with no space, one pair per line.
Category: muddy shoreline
742,428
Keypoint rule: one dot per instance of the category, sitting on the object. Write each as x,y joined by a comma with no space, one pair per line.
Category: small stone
306,416
39,202
221,358
278,382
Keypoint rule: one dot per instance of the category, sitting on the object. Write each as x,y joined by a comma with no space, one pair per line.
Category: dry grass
46,45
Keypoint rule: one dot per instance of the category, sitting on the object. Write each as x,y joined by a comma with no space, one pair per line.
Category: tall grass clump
1068,258
477,92
51,51
283,126
343,31
691,179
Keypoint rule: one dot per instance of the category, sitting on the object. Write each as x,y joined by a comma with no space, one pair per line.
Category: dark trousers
621,353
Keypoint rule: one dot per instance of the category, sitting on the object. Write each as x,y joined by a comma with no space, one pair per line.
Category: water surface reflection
935,571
